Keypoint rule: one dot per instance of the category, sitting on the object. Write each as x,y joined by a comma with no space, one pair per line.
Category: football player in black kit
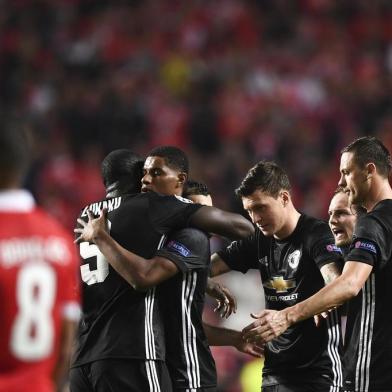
366,278
226,302
121,342
342,219
296,257
181,267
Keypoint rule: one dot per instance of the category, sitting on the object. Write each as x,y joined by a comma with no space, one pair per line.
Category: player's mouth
146,189
338,233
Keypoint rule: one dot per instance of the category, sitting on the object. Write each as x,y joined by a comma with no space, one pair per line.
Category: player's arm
330,272
270,324
240,255
227,303
218,266
226,224
139,272
218,336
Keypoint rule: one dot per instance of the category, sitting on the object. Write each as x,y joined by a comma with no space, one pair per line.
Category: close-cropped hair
174,157
122,170
368,149
266,176
195,188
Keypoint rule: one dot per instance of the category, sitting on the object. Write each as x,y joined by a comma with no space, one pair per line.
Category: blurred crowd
231,82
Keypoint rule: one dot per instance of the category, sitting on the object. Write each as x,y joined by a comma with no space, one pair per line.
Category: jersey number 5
99,274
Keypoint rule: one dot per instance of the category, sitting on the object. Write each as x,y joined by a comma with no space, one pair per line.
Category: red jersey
38,289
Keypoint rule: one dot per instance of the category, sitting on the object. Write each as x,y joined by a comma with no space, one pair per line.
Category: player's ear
182,177
370,169
285,197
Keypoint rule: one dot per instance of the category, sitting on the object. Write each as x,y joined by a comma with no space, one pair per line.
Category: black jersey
368,343
188,356
290,273
118,321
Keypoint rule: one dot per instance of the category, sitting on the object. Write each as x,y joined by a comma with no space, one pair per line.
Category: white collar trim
16,200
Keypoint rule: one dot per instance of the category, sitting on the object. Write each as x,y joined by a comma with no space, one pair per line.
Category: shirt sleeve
188,249
241,255
170,212
322,246
369,237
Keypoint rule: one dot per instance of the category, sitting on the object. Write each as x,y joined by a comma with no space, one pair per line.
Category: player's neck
381,192
291,223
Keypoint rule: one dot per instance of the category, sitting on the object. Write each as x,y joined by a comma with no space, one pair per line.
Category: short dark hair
195,188
266,176
15,150
174,157
368,149
122,171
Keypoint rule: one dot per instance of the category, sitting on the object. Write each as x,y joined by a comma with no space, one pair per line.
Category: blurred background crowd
231,82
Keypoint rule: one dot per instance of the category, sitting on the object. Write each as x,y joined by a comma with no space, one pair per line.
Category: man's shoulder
310,222
191,233
376,221
313,227
381,212
113,203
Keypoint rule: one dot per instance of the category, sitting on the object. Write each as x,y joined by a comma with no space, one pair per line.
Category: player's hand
227,303
256,350
269,324
90,230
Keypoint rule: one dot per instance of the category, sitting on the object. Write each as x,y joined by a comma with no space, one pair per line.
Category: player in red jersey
38,282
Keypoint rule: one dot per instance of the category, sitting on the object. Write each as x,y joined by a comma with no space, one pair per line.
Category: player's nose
332,219
256,218
342,181
146,179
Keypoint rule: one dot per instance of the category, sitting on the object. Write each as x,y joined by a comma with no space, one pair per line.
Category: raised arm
139,272
223,223
270,324
345,287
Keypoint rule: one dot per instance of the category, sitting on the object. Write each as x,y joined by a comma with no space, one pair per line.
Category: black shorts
118,375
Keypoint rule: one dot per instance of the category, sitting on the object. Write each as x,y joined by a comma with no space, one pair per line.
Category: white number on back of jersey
98,275
93,276
32,334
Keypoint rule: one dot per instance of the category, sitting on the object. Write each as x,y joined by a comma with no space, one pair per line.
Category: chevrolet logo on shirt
279,284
